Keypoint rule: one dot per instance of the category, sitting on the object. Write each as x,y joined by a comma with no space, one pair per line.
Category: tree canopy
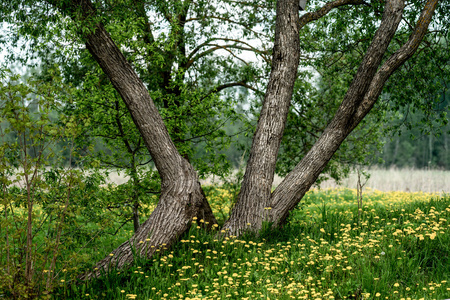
203,61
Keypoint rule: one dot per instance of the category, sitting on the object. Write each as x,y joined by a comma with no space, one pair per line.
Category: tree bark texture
182,197
364,91
248,213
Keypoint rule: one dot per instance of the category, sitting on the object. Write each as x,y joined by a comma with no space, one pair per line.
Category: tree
362,94
182,198
188,103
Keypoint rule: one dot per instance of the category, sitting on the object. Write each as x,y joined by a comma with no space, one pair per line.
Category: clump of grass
399,250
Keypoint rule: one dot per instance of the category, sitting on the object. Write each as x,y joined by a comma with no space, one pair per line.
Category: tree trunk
359,100
254,197
255,191
180,201
182,197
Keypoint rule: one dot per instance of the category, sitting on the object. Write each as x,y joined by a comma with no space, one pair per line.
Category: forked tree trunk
254,197
297,182
255,191
359,100
182,197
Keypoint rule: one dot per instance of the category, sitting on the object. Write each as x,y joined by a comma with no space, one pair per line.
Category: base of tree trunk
180,202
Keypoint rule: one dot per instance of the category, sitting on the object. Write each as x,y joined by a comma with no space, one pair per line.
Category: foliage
44,198
181,70
30,264
203,63
177,62
332,48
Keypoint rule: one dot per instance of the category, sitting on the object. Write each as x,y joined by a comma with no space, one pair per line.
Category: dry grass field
386,180
408,180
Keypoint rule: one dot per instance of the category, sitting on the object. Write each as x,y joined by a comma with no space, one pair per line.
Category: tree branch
227,20
232,84
191,58
313,16
395,61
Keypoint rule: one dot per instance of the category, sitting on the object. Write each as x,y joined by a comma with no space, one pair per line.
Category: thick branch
299,180
313,16
395,61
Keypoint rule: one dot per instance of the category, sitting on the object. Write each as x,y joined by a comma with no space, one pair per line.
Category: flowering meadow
392,246
397,246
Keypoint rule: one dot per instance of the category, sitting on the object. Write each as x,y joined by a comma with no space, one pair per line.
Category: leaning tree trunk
255,191
182,197
359,100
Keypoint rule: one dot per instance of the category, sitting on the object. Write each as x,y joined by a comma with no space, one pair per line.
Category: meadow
396,247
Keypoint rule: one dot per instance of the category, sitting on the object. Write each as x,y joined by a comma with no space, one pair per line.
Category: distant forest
417,146
413,149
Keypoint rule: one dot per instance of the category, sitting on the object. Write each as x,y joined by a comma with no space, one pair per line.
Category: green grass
398,249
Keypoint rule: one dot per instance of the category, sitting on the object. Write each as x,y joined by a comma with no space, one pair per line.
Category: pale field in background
410,180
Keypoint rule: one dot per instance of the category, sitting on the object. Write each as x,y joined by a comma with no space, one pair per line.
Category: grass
398,248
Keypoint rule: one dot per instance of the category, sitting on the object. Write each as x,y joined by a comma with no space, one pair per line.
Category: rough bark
359,100
254,197
182,197
255,191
